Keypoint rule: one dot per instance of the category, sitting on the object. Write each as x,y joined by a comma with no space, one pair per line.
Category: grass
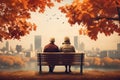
33,75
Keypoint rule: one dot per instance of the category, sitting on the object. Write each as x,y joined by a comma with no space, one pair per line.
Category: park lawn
33,75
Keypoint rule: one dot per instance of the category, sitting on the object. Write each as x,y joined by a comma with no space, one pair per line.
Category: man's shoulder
47,45
50,45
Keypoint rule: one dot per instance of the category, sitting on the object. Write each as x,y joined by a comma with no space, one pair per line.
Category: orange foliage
96,15
97,61
58,0
102,62
14,15
107,61
11,61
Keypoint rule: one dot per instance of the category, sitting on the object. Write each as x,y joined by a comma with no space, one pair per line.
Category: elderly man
51,47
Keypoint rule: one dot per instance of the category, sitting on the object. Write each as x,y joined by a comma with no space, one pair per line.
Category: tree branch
108,18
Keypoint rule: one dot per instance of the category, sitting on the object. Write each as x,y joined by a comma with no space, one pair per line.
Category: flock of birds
55,17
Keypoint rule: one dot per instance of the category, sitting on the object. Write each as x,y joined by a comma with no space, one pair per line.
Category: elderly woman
67,47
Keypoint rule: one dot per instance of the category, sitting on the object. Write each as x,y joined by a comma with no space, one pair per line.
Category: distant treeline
8,61
102,62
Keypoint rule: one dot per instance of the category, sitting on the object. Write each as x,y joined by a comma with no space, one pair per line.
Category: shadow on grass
59,73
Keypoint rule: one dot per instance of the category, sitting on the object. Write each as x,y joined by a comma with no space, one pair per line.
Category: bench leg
40,69
81,68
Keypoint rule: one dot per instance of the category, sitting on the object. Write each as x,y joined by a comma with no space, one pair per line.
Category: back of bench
60,58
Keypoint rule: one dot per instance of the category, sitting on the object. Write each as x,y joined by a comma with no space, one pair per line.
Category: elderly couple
66,47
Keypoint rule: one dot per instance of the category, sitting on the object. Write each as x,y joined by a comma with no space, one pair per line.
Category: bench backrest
60,58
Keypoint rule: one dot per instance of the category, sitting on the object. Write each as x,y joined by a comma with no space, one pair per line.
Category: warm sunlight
59,39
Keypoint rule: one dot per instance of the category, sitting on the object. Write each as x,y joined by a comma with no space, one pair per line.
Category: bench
60,59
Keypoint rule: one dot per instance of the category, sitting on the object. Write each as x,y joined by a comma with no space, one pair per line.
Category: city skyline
44,42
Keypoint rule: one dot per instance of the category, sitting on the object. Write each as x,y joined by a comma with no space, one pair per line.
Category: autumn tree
14,15
96,16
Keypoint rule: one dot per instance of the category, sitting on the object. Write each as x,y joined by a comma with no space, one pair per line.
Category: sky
53,23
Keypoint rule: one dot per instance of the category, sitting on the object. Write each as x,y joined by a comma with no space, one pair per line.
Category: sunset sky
53,23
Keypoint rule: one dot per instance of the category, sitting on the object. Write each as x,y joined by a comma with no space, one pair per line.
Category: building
31,47
76,42
81,46
37,43
7,46
114,54
104,54
19,48
30,54
118,46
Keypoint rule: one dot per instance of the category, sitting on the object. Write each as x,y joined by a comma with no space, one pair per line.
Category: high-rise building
118,46
37,43
81,46
31,47
76,42
7,46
